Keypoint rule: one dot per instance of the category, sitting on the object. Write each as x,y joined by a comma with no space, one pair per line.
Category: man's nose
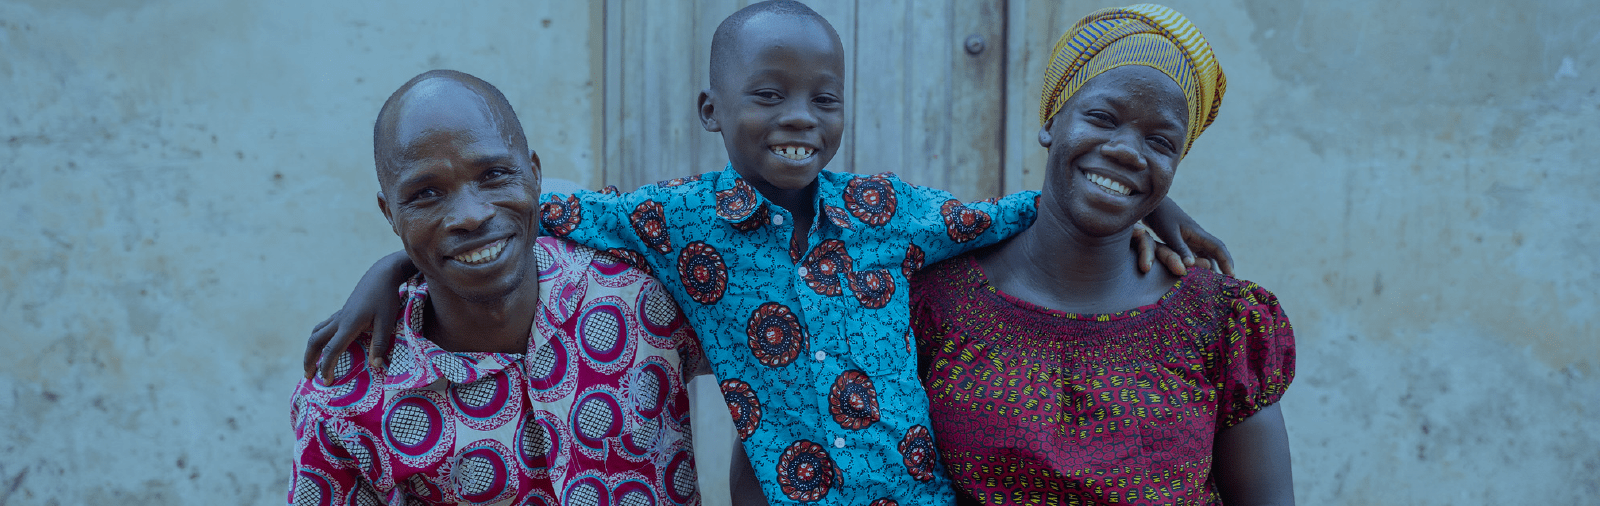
468,211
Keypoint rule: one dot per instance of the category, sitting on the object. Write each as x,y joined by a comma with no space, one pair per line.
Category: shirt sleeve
324,472
1257,353
601,220
945,227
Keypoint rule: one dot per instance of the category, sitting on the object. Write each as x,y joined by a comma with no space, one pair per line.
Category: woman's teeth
482,255
793,152
1108,184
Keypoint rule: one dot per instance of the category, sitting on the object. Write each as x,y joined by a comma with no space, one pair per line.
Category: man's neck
457,324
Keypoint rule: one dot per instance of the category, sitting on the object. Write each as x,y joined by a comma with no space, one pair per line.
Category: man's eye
496,173
425,193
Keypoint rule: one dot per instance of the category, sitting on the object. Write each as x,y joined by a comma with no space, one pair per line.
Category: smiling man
525,369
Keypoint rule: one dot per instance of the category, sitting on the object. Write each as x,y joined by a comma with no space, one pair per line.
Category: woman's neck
1055,265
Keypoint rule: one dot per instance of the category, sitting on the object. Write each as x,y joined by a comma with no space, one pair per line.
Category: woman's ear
1044,132
706,107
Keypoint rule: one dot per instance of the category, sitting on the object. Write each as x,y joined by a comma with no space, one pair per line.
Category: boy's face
779,102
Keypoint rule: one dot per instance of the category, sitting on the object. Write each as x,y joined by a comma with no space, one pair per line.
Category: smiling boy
795,277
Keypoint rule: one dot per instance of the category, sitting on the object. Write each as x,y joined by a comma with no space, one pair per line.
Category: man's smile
482,255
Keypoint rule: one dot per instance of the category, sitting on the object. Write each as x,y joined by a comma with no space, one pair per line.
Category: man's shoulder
565,254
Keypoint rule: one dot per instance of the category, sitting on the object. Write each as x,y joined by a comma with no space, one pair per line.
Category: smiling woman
1054,366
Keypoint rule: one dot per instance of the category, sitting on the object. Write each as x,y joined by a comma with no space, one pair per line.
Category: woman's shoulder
1222,295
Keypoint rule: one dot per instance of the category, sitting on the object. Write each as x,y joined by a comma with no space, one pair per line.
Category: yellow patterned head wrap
1143,34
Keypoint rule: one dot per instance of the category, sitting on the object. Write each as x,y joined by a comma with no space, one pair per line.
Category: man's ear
383,205
533,156
1044,132
707,107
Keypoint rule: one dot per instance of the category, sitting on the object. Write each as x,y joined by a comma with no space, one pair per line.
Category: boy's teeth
1109,185
484,254
793,152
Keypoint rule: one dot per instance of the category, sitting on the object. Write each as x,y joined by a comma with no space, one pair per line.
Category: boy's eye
768,95
826,100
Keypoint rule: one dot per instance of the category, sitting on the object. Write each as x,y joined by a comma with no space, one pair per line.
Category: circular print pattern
963,223
586,491
774,335
913,262
837,216
659,314
884,502
603,336
680,478
679,181
551,374
917,453
870,199
853,401
872,288
737,203
485,404
630,257
704,275
312,487
743,405
633,493
561,217
806,472
596,416
650,223
414,429
824,265
482,472
755,221
541,443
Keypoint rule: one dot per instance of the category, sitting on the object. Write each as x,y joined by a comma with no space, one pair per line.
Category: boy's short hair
722,42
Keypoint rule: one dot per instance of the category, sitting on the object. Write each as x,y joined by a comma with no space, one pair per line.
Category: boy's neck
801,204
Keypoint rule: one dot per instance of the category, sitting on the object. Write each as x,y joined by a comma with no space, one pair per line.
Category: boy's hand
372,307
1179,231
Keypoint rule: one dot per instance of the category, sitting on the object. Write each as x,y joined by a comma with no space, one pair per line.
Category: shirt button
822,355
777,219
838,442
802,272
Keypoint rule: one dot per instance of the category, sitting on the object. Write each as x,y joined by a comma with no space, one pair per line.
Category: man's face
780,102
460,197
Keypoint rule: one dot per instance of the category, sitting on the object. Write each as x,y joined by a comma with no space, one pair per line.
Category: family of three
875,342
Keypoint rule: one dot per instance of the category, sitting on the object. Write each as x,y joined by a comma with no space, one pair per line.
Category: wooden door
927,101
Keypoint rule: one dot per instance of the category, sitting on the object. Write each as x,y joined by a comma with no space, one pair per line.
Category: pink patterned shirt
594,413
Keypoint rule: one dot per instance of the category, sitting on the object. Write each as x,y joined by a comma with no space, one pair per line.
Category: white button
802,272
822,355
838,442
777,219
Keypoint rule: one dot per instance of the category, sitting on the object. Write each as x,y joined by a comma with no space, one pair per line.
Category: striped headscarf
1143,34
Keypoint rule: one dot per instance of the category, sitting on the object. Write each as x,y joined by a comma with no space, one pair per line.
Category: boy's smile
779,101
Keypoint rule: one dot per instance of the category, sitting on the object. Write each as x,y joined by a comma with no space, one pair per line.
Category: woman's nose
1123,149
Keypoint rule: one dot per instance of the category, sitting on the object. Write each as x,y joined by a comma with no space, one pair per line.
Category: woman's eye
1100,116
1162,142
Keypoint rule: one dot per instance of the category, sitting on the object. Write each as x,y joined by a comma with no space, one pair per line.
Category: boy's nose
798,116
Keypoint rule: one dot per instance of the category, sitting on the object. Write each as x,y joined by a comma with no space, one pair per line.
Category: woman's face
1114,147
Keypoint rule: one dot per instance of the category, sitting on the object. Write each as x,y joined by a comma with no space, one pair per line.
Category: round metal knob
974,44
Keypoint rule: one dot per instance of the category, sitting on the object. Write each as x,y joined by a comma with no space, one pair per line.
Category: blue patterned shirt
812,342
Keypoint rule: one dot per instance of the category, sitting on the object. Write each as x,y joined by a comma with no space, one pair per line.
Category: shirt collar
740,204
416,362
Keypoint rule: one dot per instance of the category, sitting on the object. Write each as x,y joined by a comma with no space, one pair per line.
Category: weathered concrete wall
186,189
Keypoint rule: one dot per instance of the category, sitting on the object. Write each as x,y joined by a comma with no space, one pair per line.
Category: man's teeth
482,255
793,152
1109,185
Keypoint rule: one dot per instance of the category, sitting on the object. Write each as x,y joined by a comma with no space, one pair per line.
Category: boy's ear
383,205
1044,132
706,108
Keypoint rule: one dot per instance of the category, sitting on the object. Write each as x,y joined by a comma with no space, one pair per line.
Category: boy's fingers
382,341
319,337
1172,261
1147,247
1213,248
330,353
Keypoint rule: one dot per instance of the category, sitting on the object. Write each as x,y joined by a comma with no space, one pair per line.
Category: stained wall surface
186,188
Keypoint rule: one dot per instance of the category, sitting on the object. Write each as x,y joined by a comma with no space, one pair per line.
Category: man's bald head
725,42
409,107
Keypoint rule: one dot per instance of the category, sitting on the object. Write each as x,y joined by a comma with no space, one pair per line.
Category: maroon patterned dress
1036,406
